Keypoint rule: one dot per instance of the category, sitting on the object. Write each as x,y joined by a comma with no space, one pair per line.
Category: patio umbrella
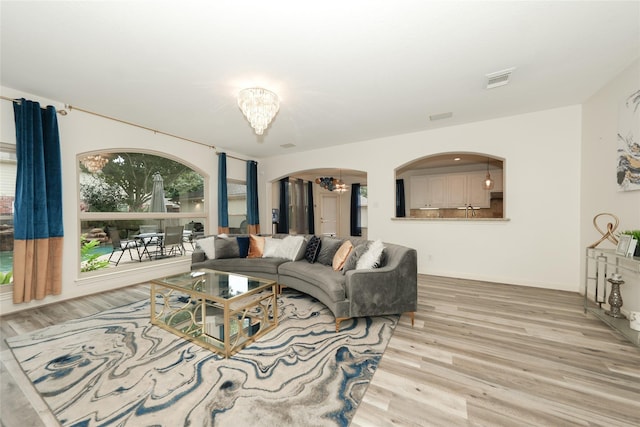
157,203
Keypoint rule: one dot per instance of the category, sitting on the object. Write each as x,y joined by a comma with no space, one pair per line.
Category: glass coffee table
223,312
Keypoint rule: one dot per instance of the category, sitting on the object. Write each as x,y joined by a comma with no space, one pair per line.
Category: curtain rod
71,107
17,101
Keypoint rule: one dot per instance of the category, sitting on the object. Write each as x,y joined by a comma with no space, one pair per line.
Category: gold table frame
193,303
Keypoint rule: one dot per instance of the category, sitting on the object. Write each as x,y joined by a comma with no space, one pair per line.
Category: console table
604,263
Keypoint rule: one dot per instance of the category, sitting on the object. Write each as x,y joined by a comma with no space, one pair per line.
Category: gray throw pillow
356,253
227,247
328,248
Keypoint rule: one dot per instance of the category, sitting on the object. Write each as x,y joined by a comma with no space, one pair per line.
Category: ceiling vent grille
440,116
499,78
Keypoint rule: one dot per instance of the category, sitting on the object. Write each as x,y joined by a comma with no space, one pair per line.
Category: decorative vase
615,297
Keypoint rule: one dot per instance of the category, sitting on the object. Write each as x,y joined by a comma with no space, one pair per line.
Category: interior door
329,215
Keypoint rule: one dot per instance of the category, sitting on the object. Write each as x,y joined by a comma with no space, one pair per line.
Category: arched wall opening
463,185
329,194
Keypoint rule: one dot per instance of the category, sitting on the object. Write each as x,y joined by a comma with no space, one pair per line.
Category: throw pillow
371,258
328,248
312,250
291,247
341,255
227,247
354,256
302,248
256,246
272,248
243,246
208,246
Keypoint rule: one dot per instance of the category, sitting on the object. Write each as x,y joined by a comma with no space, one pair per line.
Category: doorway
329,215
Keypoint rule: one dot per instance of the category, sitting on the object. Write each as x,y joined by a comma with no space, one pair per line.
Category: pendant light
487,184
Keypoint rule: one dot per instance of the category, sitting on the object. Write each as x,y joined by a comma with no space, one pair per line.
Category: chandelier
95,162
259,106
331,184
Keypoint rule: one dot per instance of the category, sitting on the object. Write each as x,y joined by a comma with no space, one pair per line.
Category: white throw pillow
272,248
292,247
287,248
207,244
371,258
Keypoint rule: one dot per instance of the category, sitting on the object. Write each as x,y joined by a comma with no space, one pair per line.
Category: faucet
466,211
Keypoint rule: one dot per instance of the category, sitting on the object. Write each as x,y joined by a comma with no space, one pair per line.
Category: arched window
135,193
451,185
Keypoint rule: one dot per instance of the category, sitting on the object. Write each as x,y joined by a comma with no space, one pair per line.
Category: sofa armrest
392,289
198,255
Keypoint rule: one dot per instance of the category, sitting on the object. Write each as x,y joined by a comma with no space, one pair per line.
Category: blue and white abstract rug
116,369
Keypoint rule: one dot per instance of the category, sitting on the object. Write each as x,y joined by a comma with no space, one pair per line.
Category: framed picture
623,244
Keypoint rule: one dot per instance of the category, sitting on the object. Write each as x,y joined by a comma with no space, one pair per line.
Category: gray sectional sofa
389,288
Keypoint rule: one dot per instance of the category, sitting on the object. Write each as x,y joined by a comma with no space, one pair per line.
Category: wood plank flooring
480,354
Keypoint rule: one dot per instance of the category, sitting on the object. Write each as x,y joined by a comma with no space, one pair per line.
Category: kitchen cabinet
456,190
476,195
427,191
418,192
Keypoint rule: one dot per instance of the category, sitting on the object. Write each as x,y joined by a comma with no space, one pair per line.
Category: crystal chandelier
259,106
95,162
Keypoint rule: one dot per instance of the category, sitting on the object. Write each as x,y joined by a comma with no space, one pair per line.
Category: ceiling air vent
440,116
499,78
289,145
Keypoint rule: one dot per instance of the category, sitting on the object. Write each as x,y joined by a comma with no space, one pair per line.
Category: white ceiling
346,71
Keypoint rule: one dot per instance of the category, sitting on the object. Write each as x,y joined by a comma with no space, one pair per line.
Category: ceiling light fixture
332,184
94,163
487,184
259,106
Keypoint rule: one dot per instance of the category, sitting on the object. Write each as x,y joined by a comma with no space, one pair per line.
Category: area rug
116,369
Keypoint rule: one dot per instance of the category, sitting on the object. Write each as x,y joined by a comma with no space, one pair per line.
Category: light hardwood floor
480,354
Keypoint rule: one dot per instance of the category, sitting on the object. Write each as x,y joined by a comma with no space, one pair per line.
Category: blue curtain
253,214
310,215
356,228
283,224
400,203
38,230
223,201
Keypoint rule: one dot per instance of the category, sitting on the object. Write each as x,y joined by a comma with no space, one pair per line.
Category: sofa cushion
341,255
328,248
207,244
243,245
247,266
371,258
227,247
354,256
256,246
324,277
312,250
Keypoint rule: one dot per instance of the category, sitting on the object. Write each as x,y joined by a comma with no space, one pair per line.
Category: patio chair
187,234
121,246
172,241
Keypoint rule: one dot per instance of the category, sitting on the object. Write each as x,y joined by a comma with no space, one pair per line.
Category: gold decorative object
611,228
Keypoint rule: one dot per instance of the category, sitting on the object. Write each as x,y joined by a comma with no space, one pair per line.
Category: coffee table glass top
215,284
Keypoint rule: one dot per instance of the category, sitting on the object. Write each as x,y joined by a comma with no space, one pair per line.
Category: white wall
538,245
598,172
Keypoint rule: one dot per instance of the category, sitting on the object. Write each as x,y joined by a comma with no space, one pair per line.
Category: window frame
168,217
